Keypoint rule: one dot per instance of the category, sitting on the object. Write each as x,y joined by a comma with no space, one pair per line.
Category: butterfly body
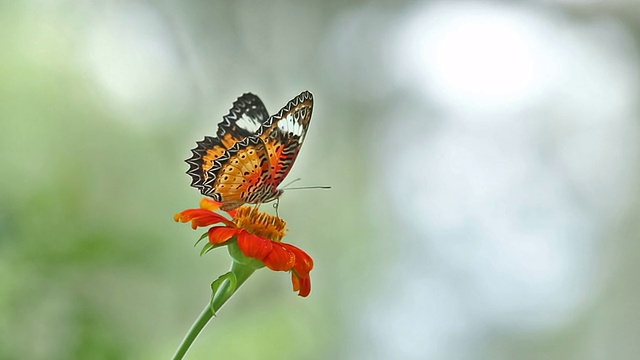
252,152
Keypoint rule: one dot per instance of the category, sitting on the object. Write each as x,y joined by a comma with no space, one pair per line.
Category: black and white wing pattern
244,119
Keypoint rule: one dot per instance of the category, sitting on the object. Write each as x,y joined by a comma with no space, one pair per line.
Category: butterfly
252,152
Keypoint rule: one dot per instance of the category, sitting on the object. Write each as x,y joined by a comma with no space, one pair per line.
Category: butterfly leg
276,205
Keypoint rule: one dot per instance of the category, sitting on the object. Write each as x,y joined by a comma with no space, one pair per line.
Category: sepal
222,289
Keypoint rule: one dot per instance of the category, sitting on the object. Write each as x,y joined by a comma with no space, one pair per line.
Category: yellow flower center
259,223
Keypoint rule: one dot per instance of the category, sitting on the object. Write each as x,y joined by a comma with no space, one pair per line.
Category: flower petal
201,218
280,258
187,215
220,234
301,285
209,204
303,262
254,246
212,205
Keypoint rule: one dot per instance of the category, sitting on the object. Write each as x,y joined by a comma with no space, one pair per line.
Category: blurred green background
483,158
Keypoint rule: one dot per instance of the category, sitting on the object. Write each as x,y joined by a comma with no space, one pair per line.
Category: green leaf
206,234
206,248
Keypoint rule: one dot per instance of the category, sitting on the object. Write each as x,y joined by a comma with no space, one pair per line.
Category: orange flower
257,234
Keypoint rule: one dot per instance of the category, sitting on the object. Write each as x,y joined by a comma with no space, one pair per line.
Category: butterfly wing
241,175
284,133
252,152
244,118
202,158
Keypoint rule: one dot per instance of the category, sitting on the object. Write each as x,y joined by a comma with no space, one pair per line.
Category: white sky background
509,159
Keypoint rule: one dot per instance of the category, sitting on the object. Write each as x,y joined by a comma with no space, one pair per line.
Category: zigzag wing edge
197,162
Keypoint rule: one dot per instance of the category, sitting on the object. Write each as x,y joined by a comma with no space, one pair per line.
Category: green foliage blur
92,264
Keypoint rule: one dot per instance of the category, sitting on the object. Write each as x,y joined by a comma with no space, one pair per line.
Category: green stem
241,273
193,333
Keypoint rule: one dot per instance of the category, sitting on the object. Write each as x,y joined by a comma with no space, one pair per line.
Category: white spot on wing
249,124
290,125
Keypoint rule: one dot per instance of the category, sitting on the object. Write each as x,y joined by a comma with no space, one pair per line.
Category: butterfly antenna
309,187
291,182
286,187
